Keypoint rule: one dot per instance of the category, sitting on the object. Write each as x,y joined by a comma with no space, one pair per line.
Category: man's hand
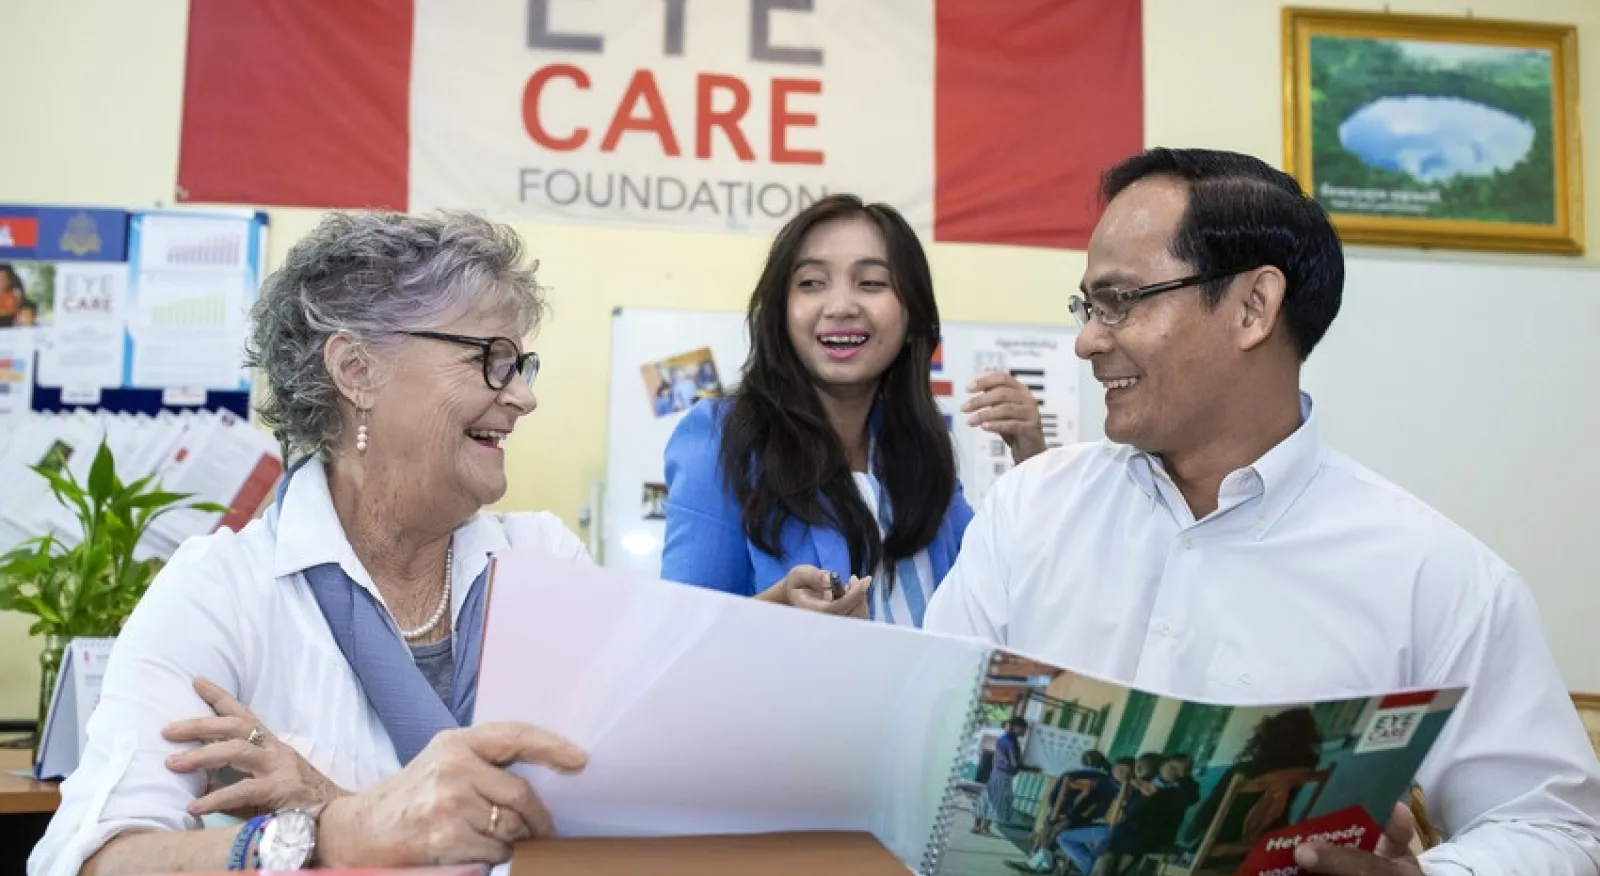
1392,857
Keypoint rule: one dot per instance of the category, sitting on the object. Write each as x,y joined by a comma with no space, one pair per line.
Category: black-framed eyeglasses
1116,303
502,360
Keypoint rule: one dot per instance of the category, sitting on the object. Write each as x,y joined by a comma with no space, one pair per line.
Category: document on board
16,378
221,459
84,345
188,308
1040,361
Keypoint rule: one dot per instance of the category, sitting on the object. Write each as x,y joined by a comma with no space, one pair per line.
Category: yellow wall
92,116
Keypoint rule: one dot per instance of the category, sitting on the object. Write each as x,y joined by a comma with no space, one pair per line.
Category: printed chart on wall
1041,359
663,362
193,281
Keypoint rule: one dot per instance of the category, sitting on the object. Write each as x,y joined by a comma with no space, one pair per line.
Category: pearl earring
361,434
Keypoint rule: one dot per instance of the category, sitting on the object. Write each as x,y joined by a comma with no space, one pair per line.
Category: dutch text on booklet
708,714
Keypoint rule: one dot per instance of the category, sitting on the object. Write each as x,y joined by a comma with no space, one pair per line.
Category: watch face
287,840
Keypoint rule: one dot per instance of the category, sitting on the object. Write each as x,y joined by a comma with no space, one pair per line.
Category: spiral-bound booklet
710,715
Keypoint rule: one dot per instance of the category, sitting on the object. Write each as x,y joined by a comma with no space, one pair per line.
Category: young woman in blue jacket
827,479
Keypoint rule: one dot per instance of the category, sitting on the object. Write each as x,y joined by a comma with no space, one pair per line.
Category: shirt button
1188,544
1164,628
1244,678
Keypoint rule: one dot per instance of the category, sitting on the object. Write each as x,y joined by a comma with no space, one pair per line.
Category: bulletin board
133,311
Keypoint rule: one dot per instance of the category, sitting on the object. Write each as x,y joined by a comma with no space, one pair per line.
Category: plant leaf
136,488
90,588
102,475
156,499
66,489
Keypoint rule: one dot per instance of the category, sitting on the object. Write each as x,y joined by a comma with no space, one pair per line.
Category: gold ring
494,818
258,735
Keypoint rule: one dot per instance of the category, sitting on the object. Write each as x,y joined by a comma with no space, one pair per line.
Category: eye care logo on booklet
1394,722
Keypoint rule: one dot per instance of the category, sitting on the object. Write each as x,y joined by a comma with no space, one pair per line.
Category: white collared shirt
1313,578
233,608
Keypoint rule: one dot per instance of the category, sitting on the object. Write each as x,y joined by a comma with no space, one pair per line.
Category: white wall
1476,386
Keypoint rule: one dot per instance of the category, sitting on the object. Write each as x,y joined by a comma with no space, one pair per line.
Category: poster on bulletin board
134,311
191,282
129,327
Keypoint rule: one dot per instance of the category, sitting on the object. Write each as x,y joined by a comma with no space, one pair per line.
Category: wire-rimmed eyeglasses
1111,306
502,359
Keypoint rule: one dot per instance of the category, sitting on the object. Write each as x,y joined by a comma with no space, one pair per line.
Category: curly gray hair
374,276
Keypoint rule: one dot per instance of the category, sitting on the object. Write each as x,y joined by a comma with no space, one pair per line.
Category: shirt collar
1278,477
308,533
1287,469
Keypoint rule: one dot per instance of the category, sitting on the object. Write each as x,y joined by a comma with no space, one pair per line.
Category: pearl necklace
444,600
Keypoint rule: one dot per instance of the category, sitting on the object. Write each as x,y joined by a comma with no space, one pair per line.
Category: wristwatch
288,841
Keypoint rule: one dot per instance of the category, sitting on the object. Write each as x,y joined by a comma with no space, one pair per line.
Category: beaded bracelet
239,856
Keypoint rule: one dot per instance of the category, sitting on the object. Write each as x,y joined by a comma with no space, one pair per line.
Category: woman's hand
811,588
453,804
1006,408
275,776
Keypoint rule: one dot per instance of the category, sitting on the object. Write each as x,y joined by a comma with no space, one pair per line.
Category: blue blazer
705,544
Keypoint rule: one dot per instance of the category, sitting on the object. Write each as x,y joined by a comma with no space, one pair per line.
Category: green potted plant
88,589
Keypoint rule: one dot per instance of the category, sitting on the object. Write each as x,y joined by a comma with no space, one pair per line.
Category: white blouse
234,608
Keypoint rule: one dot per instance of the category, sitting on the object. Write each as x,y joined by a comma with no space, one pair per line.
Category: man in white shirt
1214,547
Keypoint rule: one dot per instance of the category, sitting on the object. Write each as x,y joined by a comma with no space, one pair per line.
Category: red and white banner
982,121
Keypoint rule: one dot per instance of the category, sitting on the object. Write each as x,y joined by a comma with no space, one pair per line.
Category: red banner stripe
307,103
1033,100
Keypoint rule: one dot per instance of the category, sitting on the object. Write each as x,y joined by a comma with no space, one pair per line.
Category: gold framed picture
1433,131
1589,710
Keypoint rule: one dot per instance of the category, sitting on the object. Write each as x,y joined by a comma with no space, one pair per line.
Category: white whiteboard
1475,385
645,343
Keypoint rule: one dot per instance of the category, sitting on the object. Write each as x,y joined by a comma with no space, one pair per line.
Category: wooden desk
836,854
19,795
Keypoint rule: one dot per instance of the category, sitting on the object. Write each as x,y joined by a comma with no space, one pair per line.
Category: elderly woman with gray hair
300,693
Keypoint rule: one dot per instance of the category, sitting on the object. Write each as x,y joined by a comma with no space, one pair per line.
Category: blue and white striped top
904,602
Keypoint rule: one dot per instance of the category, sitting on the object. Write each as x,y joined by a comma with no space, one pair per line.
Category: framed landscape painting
1434,131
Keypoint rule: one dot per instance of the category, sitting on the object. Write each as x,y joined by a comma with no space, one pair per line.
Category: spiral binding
934,851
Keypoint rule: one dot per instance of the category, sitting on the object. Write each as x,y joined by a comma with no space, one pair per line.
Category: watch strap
239,853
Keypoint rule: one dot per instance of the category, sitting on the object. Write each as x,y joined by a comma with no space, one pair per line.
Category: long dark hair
780,454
